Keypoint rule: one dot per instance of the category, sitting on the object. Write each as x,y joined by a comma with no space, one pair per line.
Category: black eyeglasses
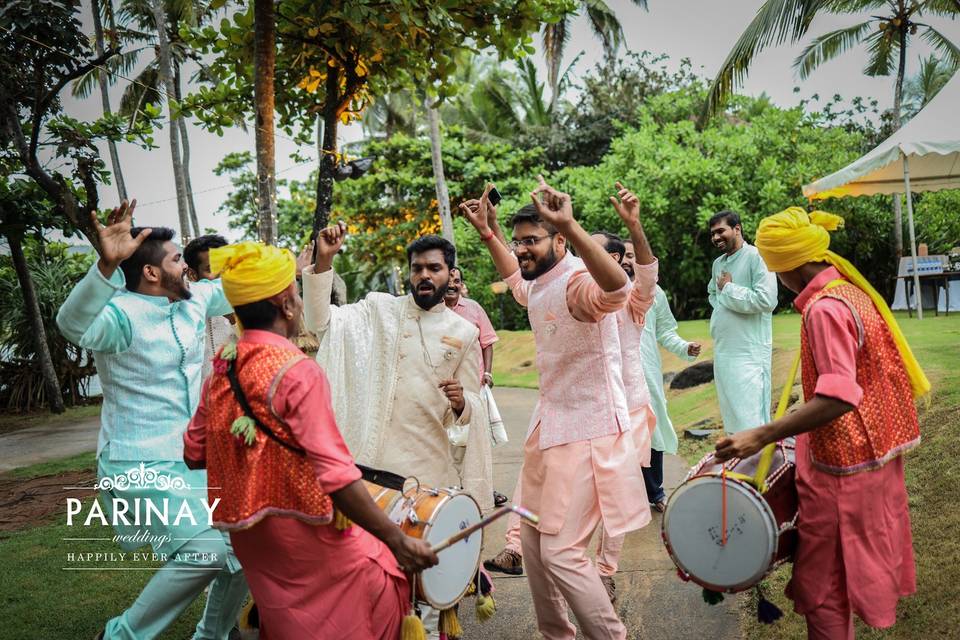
529,242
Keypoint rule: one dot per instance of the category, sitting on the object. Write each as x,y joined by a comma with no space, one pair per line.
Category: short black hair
257,315
459,270
191,252
150,252
730,217
614,243
528,213
430,242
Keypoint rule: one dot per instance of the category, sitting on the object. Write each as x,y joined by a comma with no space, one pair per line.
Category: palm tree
885,37
104,95
135,28
605,25
920,89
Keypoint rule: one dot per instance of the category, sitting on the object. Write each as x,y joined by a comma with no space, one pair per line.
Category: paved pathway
652,601
44,443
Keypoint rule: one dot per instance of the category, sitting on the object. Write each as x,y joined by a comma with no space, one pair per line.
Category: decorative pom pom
767,612
245,429
450,624
229,350
340,521
412,628
712,597
485,607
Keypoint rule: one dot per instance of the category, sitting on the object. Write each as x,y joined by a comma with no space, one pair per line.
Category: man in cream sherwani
403,370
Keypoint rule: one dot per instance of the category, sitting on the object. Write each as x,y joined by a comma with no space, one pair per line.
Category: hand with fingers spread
305,257
116,242
454,392
552,206
628,206
328,243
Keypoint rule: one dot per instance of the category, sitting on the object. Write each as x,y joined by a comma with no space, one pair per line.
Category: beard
175,286
628,268
540,266
427,300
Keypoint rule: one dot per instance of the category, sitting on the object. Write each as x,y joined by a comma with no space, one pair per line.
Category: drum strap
759,480
378,477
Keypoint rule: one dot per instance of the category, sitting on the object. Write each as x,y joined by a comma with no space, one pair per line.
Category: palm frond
605,25
555,38
942,45
921,88
882,50
119,65
859,6
828,46
942,7
642,4
146,90
776,22
537,109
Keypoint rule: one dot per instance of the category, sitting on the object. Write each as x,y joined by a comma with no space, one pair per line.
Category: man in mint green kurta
660,329
743,295
145,327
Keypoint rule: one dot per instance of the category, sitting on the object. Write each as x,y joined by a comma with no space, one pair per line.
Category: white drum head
692,532
444,584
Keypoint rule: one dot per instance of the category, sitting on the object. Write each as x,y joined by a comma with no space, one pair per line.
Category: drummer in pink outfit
580,466
854,551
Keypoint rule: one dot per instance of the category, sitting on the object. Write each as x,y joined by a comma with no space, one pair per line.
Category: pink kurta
614,457
313,581
472,312
855,542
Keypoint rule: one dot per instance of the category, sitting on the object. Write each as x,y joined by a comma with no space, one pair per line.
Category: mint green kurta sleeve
87,319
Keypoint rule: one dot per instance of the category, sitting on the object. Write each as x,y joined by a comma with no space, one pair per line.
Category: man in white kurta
391,364
743,294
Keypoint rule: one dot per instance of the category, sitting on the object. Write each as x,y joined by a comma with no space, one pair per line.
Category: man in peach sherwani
580,466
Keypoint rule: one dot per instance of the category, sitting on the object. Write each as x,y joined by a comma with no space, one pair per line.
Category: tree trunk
185,160
443,197
264,60
166,77
328,152
105,101
897,102
50,381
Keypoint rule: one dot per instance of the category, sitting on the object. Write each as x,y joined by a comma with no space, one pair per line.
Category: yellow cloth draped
792,238
252,271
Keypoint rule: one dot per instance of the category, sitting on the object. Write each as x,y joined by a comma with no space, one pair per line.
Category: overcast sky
703,31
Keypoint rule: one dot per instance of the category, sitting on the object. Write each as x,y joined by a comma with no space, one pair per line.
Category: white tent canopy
931,141
923,155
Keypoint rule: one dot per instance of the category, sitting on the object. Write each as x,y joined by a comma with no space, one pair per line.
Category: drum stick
499,513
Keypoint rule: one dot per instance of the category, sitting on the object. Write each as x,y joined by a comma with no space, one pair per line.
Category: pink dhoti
855,551
314,582
576,487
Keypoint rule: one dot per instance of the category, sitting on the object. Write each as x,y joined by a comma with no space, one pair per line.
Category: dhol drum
761,514
433,515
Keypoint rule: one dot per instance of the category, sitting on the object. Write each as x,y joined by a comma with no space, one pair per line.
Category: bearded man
404,371
145,326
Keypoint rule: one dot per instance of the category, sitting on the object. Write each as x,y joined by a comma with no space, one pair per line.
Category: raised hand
328,243
552,206
305,257
116,243
628,206
478,211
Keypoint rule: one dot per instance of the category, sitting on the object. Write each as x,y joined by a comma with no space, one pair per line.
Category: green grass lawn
41,600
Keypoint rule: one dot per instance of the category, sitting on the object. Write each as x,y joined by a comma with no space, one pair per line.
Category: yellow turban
792,238
252,271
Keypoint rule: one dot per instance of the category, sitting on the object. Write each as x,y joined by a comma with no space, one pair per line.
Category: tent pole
918,295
